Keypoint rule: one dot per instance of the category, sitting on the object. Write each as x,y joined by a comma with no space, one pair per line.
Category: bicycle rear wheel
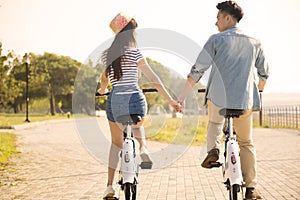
233,191
130,191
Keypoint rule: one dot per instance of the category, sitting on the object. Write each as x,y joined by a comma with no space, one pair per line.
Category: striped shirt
128,83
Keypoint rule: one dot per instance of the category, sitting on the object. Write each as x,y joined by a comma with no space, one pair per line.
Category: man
234,57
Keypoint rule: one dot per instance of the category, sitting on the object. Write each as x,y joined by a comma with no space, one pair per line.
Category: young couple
233,56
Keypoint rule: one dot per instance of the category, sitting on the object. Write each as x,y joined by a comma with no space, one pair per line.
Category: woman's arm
104,83
189,84
155,80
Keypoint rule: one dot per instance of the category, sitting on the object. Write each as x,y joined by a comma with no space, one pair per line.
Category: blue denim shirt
234,58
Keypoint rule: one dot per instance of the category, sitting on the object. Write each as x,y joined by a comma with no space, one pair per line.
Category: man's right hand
261,84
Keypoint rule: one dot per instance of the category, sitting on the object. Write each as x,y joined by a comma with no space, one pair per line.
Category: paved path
55,165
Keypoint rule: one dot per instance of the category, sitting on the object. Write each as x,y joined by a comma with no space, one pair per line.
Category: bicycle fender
128,162
233,162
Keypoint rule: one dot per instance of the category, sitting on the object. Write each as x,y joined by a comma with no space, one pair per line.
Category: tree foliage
54,76
85,88
12,82
50,76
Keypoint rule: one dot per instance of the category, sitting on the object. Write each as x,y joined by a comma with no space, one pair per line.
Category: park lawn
8,151
185,131
7,147
7,120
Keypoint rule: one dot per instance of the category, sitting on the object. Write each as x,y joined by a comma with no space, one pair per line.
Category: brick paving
55,165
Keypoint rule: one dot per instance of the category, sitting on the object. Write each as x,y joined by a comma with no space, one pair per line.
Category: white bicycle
128,173
231,168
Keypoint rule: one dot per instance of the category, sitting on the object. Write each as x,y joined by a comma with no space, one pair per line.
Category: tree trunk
20,106
16,109
17,105
52,102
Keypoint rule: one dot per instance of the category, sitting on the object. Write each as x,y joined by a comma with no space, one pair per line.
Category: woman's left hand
102,91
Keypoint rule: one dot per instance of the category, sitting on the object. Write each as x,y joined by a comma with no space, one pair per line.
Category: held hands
176,105
181,103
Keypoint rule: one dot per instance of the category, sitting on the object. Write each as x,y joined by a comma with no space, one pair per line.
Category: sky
76,28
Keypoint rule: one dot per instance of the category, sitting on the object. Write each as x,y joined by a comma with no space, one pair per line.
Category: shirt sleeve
139,55
261,64
203,62
103,58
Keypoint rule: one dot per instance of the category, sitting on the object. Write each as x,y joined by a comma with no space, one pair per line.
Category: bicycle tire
130,191
134,191
233,192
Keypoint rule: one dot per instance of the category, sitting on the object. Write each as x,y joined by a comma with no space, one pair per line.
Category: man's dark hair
231,8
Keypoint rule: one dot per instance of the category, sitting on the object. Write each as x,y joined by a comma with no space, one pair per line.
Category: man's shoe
109,192
212,156
252,193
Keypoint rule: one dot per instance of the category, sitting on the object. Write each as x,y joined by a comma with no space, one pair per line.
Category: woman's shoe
145,156
109,192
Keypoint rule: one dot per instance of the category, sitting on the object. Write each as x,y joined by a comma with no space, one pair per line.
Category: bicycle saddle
231,112
129,119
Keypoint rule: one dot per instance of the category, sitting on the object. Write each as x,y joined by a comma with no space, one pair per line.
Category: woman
123,62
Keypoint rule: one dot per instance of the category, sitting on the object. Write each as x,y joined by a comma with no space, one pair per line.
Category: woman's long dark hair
115,52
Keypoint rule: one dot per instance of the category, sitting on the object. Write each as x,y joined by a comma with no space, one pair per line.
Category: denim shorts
124,104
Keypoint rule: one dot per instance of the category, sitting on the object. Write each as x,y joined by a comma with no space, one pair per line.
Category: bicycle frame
129,169
232,165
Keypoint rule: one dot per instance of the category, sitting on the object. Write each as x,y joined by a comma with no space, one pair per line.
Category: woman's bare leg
117,141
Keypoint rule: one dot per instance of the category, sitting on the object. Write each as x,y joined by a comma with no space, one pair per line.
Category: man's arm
262,69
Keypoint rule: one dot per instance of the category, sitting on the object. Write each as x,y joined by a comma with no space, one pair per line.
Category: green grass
185,131
266,125
8,151
256,125
15,119
7,147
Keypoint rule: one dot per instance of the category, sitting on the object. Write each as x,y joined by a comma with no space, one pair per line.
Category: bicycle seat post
128,132
230,127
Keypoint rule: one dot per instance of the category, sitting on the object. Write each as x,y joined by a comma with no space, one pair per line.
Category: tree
12,82
174,83
85,88
54,75
166,78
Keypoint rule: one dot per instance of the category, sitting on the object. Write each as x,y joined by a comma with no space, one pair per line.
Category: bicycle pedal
110,198
146,165
215,164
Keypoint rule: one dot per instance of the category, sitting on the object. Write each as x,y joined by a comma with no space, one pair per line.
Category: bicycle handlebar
201,90
97,94
145,90
204,90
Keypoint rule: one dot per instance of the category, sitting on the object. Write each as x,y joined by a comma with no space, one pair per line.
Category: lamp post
27,62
